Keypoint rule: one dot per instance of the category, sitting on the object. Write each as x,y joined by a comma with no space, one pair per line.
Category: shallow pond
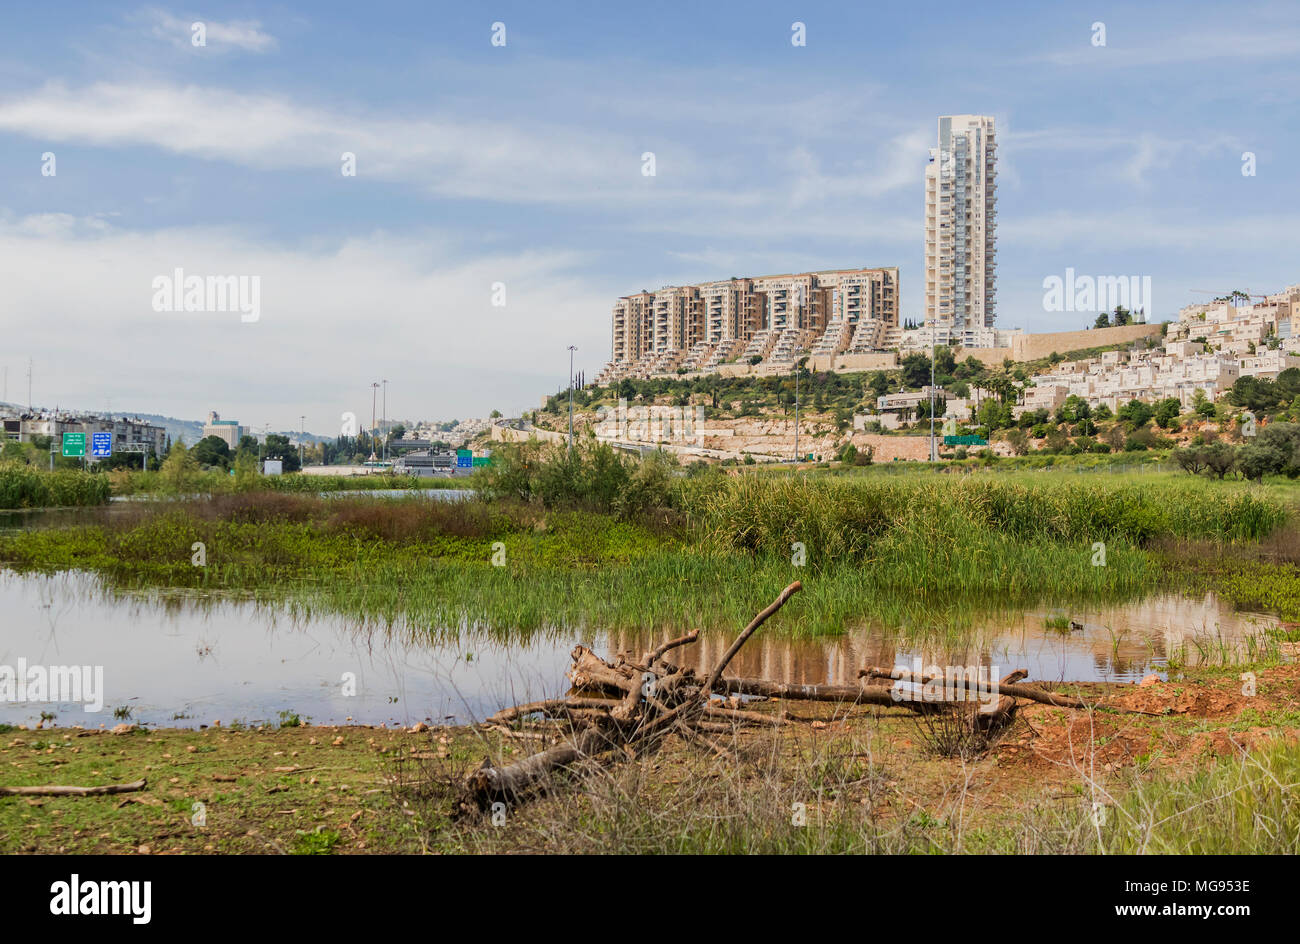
189,658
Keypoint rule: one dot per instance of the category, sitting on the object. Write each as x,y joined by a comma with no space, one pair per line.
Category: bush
24,486
592,476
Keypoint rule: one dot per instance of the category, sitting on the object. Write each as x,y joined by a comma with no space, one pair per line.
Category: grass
924,554
127,482
24,486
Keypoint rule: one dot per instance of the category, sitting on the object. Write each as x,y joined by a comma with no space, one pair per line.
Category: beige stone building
774,318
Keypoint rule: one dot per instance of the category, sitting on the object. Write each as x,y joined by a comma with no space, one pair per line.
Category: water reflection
184,658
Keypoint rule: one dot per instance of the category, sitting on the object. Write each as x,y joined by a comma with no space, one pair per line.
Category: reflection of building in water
803,661
1117,643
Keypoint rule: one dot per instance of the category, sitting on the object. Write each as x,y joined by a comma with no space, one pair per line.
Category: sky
489,172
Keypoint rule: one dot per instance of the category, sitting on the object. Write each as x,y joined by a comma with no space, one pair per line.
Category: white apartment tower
960,214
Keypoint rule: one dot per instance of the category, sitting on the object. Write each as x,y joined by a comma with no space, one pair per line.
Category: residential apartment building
960,218
775,318
1205,351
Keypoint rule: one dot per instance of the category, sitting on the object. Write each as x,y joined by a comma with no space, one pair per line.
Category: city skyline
524,165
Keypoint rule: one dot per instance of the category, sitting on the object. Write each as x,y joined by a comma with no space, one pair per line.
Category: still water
188,658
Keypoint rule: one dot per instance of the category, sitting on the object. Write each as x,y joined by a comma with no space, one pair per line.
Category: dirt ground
334,789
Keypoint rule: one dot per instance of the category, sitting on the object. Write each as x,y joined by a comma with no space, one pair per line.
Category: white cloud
246,35
1139,46
527,161
453,157
78,299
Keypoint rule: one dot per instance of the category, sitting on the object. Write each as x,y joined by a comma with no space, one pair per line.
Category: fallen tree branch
1032,692
74,791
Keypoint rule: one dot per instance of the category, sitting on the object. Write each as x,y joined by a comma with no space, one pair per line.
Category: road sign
101,444
965,441
74,444
464,462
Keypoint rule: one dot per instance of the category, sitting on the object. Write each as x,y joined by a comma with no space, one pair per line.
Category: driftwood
74,791
618,708
1004,687
624,708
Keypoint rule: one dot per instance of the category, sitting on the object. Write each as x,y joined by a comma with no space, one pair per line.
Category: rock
123,728
338,741
1151,679
418,727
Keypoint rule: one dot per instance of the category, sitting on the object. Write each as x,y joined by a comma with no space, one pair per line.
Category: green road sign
74,444
965,441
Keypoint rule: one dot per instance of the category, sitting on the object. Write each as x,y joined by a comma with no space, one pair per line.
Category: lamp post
934,453
374,392
572,348
384,422
301,434
796,411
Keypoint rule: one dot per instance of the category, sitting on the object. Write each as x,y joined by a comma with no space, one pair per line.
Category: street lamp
572,348
384,422
796,411
374,392
301,434
934,452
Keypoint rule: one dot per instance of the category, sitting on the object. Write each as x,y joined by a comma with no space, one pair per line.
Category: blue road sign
101,444
464,462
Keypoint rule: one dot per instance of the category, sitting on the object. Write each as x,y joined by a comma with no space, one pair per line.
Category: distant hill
189,430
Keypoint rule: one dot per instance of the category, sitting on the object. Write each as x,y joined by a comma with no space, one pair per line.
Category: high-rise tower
960,215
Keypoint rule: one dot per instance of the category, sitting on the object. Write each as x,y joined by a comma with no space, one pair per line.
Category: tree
180,469
1103,321
1274,451
944,362
1257,394
626,389
1136,413
212,451
1220,458
879,383
1190,460
279,447
1166,411
916,370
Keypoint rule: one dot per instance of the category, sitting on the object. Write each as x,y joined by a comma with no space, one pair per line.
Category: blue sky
521,164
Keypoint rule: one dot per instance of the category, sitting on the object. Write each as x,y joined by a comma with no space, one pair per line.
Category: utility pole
796,411
374,392
29,385
384,421
572,348
934,452
301,434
